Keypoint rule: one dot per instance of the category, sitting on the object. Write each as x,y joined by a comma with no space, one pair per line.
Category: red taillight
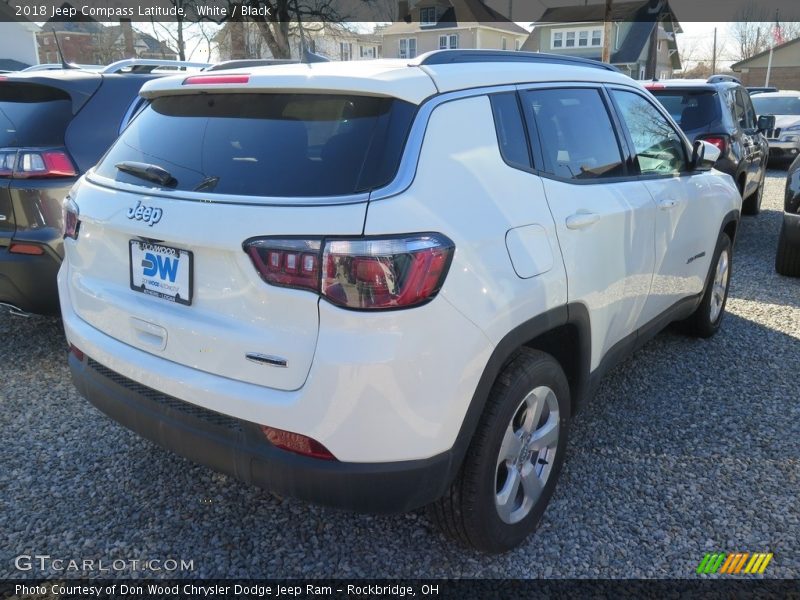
655,86
363,273
287,263
71,221
76,352
30,163
215,79
718,141
32,249
294,442
385,273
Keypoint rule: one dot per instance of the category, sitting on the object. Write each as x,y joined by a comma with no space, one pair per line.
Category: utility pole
607,32
714,54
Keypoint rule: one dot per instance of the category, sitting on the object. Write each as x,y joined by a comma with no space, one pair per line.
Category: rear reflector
76,352
294,442
31,249
216,79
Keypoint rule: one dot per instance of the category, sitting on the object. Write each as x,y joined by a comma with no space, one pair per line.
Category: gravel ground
689,447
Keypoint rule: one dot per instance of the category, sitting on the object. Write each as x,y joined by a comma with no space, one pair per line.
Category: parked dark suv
54,125
787,259
718,110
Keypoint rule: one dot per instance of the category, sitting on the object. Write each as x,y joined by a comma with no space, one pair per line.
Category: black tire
467,512
787,258
752,205
700,323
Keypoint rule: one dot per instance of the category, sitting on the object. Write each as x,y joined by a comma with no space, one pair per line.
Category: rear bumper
238,448
29,281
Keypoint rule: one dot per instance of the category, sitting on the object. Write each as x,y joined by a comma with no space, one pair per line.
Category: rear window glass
785,105
266,144
33,115
690,109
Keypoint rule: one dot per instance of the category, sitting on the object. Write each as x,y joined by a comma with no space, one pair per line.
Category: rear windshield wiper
148,172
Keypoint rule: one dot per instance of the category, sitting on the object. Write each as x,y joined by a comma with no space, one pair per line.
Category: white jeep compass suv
385,284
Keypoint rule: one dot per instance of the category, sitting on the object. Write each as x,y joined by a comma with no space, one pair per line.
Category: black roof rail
722,78
449,57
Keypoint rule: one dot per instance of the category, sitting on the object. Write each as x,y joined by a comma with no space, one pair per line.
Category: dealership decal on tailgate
161,271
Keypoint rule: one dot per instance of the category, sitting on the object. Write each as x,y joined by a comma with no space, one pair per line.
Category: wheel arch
563,332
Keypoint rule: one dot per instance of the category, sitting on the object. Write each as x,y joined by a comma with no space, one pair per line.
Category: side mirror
704,156
766,122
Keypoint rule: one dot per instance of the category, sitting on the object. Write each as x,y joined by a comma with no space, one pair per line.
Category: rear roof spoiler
148,65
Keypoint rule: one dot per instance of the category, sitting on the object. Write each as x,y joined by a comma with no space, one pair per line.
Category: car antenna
306,56
64,63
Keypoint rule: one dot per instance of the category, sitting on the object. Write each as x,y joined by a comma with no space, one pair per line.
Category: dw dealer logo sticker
735,563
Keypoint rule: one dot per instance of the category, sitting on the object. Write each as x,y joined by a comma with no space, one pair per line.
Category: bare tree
276,20
754,32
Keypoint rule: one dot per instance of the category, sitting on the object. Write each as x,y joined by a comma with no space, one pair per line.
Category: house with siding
642,43
428,25
17,41
784,71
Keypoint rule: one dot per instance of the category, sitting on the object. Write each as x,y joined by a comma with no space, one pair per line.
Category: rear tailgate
233,312
159,262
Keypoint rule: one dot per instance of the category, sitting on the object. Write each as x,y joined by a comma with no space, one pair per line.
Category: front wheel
514,459
706,319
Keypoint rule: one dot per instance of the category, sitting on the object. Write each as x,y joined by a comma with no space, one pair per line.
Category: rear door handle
667,204
582,219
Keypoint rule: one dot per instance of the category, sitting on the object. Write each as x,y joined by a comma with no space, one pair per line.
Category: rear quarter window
278,145
33,115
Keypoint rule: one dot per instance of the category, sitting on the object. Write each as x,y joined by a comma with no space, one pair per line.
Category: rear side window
690,109
511,135
33,115
287,145
575,132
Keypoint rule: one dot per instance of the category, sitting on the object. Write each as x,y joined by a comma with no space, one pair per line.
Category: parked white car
385,284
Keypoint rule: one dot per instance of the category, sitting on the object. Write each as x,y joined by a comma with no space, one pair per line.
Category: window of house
448,42
46,41
427,16
659,149
641,71
579,37
408,47
345,50
660,45
504,44
517,45
663,75
575,133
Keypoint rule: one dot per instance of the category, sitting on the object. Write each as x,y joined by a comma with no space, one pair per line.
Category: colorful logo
735,563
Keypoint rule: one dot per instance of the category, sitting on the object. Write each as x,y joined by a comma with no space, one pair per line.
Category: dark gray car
719,111
54,126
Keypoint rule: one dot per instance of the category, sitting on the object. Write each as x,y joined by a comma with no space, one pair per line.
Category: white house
17,41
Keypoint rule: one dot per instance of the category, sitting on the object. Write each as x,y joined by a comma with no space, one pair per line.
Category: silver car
784,139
